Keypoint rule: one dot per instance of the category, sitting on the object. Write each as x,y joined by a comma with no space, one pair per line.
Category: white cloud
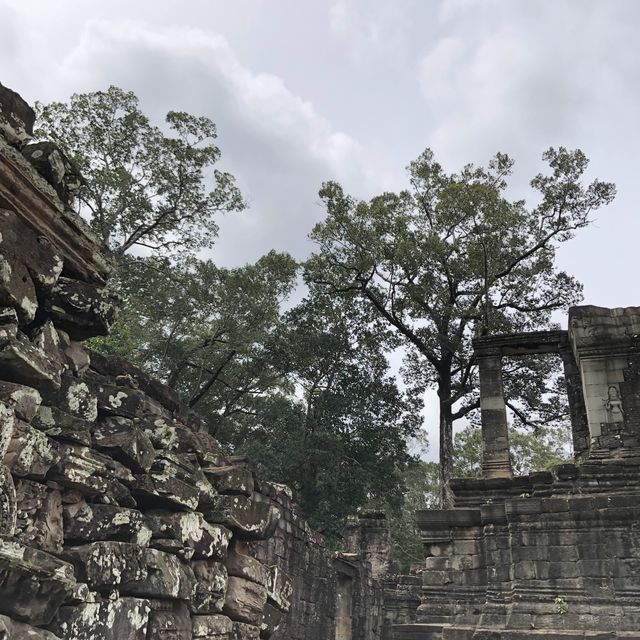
275,142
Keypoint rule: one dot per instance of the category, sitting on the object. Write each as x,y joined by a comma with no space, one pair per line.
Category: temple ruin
121,518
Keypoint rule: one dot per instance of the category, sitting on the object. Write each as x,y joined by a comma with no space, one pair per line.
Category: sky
305,91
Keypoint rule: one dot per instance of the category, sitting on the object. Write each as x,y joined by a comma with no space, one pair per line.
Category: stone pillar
495,439
606,344
577,408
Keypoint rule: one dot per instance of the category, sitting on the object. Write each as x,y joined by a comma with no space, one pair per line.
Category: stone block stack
120,516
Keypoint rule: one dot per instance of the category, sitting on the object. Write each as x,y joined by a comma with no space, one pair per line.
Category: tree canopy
453,257
143,187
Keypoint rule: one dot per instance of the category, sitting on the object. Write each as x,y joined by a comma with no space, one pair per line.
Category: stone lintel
522,344
23,191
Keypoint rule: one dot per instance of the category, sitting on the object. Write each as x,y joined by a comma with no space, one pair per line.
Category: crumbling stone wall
121,518
554,554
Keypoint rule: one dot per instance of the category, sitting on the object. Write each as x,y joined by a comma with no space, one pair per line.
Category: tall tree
453,257
144,188
337,432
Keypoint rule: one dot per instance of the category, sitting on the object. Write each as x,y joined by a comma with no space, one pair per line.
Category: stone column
577,408
495,439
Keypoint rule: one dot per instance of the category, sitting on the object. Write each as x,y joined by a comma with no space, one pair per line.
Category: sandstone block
232,479
121,619
246,517
169,621
94,522
8,507
33,584
82,309
211,586
24,400
54,166
279,588
30,453
62,426
24,363
124,442
39,516
12,630
244,601
94,474
16,117
241,564
170,481
212,627
192,530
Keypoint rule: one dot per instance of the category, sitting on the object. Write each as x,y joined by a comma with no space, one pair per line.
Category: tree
530,450
337,431
206,330
144,189
453,257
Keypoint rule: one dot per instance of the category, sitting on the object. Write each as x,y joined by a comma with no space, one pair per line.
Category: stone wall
121,518
554,554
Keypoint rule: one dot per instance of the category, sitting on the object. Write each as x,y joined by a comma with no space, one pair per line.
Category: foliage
530,451
452,258
421,492
337,433
143,188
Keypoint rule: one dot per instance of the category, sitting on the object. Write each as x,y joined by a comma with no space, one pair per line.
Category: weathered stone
33,584
16,287
240,563
39,516
121,619
246,517
94,522
22,362
271,620
76,356
279,588
12,630
212,627
169,621
169,545
8,324
242,631
112,366
167,577
24,400
124,442
74,397
30,453
94,474
169,482
62,426
211,586
192,530
16,117
109,564
7,427
8,508
54,166
83,310
231,479
244,601
35,252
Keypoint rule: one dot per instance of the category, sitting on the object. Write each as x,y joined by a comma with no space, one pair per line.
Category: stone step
417,631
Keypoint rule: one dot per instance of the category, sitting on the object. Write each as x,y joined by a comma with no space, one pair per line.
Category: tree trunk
446,442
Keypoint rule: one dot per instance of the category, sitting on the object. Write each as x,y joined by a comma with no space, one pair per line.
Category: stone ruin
121,518
555,554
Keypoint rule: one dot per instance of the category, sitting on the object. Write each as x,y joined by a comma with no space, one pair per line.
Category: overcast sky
304,91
